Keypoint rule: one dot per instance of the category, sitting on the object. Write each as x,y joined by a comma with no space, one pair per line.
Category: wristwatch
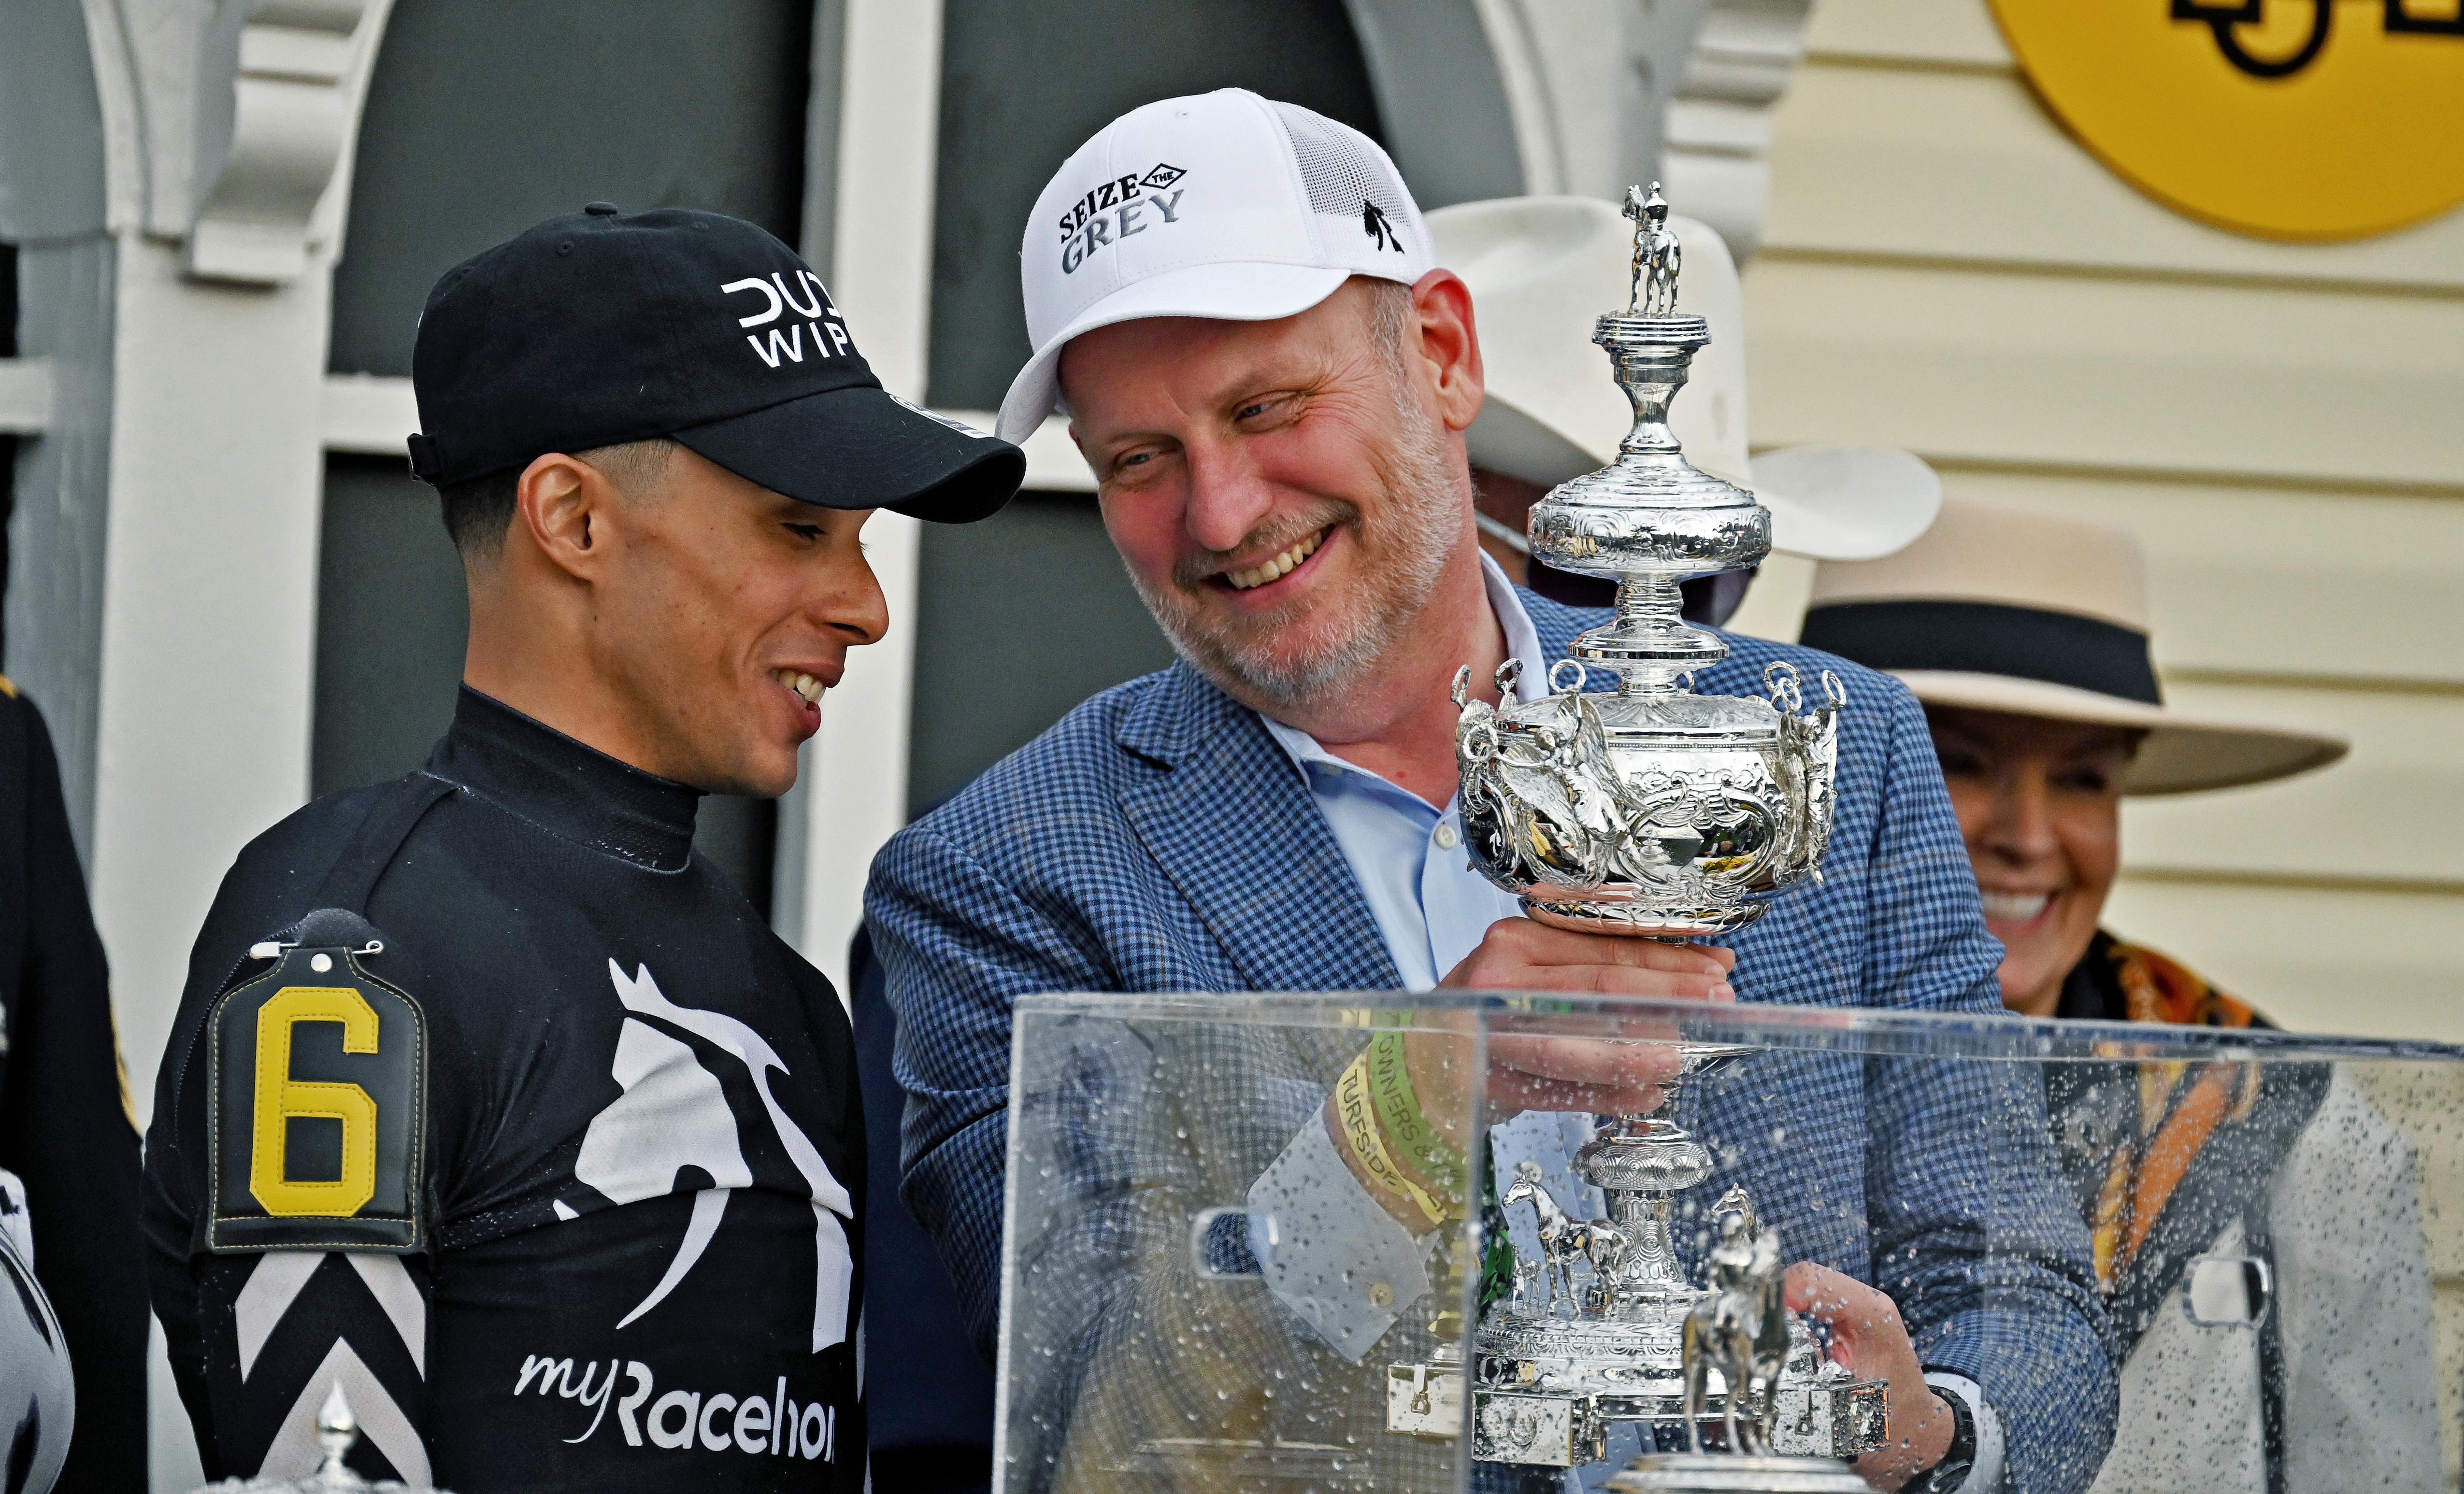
1956,1463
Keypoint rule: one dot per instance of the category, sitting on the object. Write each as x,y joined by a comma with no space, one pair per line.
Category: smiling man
1272,381
490,1101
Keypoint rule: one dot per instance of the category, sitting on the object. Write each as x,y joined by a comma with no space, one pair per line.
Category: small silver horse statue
1564,1239
1656,255
1741,1329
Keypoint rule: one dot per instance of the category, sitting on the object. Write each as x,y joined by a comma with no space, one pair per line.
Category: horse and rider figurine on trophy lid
1658,812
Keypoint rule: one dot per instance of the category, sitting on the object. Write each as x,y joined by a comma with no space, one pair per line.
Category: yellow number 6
279,1097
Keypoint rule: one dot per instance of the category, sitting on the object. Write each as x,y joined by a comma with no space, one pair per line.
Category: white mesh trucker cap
1221,205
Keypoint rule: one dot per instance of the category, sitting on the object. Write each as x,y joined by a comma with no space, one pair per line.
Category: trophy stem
1651,373
1641,1165
1646,1214
1650,643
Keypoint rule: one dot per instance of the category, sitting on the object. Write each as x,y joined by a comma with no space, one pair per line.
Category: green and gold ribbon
1398,1107
1356,1112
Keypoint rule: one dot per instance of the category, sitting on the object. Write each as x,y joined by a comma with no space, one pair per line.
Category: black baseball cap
600,326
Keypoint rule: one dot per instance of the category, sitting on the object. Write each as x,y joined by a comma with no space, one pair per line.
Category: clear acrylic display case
2170,1257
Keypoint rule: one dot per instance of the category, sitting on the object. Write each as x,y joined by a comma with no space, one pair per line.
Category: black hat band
1989,638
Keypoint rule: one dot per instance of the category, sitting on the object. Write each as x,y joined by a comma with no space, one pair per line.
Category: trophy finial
337,1428
1736,1200
1657,257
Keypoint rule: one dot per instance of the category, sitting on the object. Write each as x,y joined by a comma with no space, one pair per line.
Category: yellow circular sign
2287,119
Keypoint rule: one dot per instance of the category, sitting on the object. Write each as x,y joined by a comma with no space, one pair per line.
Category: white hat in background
1221,204
1541,270
2038,614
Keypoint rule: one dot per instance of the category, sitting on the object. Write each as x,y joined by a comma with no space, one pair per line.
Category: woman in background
2025,635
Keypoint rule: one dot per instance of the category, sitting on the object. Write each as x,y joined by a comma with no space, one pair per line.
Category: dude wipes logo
1124,206
810,301
766,1424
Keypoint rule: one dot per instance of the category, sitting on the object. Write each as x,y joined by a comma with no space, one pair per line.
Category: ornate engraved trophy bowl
1653,809
1672,814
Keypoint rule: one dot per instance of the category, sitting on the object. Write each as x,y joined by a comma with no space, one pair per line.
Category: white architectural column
854,796
208,611
1579,124
219,332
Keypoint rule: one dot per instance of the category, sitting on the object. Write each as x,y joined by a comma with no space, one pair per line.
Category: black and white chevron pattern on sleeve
303,1322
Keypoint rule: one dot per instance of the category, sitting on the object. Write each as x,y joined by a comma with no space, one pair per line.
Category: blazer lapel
1229,819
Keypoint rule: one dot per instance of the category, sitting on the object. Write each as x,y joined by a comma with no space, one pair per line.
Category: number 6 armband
316,1112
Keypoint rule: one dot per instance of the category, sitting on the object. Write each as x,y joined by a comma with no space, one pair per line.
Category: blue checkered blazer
1122,852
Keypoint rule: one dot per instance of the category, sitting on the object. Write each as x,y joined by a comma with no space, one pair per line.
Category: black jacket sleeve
258,1337
65,1128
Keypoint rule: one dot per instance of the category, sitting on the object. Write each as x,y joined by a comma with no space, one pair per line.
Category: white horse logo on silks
672,1114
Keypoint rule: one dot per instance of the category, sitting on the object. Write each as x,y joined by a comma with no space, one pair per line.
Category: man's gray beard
1404,548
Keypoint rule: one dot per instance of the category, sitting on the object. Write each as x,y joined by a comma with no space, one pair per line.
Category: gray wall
1027,614
8,443
51,209
483,117
486,116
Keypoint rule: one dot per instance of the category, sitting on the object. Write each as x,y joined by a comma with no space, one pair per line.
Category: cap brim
1846,502
1243,291
863,448
2179,754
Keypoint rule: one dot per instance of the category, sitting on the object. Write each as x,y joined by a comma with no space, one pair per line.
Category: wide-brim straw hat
1542,270
2040,614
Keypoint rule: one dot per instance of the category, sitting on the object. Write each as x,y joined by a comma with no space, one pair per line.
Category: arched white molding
1715,139
273,141
1580,120
1602,94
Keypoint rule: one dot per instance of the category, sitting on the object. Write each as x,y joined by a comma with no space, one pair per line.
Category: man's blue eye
1248,410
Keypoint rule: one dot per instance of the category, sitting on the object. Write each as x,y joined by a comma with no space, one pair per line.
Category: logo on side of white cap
1117,208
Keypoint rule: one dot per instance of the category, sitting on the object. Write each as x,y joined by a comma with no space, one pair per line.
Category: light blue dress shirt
1407,854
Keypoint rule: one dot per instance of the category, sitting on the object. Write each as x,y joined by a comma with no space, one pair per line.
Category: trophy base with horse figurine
1620,1336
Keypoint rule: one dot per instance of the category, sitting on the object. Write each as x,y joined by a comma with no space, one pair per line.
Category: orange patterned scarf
2181,1105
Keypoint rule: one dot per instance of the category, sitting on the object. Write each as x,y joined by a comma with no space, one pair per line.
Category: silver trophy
1655,809
1613,1338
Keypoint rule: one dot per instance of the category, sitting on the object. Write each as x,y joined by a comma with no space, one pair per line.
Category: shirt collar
565,788
1522,643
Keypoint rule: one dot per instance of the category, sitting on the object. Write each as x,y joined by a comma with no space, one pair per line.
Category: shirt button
1447,837
1380,1294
